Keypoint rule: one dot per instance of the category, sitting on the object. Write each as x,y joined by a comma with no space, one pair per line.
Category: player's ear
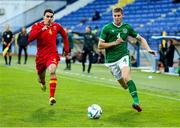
44,17
53,18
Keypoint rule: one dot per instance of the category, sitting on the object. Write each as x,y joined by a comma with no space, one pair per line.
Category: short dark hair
48,10
118,9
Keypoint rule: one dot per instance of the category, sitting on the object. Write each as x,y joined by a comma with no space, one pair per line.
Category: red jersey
46,40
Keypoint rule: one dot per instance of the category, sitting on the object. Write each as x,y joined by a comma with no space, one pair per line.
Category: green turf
22,103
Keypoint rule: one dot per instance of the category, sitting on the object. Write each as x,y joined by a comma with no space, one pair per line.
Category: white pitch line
167,97
162,96
105,84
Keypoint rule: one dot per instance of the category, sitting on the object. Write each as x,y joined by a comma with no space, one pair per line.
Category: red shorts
42,63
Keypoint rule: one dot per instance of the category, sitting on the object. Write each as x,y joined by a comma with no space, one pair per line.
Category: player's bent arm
145,44
3,42
34,33
78,33
12,39
65,40
103,45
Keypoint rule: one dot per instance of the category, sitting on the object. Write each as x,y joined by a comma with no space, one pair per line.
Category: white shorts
116,67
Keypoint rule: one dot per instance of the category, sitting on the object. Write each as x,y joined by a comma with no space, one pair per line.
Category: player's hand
26,46
5,43
68,57
44,28
66,53
16,46
118,41
152,52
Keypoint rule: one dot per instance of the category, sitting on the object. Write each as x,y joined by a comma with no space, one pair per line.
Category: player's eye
47,16
117,15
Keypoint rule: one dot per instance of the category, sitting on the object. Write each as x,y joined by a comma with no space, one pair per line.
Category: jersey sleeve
65,38
34,33
103,34
132,32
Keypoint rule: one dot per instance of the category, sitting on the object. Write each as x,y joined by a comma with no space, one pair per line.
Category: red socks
52,85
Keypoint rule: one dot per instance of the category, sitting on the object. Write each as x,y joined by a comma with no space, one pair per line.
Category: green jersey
112,32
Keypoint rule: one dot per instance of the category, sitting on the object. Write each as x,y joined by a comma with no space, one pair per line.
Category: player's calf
123,84
42,84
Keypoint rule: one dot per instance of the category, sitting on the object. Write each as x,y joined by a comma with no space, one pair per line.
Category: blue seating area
148,17
152,17
73,20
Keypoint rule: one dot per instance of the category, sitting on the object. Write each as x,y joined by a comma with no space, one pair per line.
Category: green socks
133,91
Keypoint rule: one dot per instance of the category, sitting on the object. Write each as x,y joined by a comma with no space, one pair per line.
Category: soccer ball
94,111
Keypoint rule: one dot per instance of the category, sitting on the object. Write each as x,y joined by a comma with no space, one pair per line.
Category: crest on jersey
125,30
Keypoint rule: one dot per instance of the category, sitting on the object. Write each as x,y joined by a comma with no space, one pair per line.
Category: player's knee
52,73
126,78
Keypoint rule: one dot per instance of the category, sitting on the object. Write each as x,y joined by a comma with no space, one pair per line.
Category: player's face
88,30
117,16
7,27
48,18
24,30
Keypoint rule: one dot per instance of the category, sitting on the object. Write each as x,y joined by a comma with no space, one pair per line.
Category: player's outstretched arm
78,33
145,45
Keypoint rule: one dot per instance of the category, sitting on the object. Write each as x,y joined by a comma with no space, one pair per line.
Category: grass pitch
23,104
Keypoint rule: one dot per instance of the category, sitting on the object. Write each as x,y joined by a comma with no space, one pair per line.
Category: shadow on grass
41,115
127,118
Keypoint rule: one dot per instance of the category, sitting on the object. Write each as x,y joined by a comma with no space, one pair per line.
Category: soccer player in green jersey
113,39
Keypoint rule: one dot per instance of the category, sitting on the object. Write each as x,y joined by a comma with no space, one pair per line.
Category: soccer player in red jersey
47,57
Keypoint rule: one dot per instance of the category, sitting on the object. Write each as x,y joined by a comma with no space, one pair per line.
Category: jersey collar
117,25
